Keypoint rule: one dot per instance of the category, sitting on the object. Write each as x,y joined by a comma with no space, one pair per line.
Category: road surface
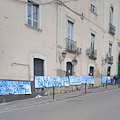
96,106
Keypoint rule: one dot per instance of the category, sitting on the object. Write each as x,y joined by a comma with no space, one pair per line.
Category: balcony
92,53
111,29
110,60
71,45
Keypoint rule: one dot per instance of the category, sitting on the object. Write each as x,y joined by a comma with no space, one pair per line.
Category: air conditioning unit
79,50
108,55
88,51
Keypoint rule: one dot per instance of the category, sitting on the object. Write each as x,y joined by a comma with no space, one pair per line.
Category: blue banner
75,80
48,81
14,87
90,80
87,79
106,78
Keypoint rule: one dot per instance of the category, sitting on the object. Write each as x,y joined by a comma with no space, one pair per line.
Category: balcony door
110,49
71,44
92,41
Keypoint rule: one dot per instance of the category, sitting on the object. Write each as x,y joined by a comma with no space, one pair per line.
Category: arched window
111,14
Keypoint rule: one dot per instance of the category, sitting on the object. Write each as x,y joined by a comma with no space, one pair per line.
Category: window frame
111,17
92,43
39,26
94,4
73,21
94,33
110,49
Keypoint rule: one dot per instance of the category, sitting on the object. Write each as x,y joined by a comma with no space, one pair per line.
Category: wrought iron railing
92,53
110,60
71,45
111,29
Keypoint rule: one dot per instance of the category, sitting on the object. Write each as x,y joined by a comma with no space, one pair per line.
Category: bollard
85,88
106,85
53,92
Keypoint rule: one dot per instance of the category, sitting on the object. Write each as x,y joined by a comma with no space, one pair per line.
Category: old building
34,33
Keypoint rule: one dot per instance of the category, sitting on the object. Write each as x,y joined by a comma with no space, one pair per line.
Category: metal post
106,85
53,92
85,87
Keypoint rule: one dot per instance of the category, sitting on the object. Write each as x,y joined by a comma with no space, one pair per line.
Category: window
33,14
70,42
111,14
92,41
70,30
110,49
94,6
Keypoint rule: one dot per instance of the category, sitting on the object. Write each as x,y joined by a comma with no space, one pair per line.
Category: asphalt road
97,106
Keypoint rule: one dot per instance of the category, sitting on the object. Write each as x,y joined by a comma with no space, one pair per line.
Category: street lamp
63,56
61,59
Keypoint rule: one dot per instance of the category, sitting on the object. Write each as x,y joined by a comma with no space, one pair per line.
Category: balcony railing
71,45
111,29
110,60
92,53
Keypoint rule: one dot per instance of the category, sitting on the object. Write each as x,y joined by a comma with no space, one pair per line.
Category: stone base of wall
61,90
97,82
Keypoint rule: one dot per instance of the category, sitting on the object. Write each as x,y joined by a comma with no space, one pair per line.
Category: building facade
34,33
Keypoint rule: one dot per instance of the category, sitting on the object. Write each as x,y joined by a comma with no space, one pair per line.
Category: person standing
116,79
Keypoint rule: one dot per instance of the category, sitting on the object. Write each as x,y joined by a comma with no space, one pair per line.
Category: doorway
38,67
108,71
69,69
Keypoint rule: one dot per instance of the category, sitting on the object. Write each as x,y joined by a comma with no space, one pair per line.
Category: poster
75,80
49,81
14,87
106,78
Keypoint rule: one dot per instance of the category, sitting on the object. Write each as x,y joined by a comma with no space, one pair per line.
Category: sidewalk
47,99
